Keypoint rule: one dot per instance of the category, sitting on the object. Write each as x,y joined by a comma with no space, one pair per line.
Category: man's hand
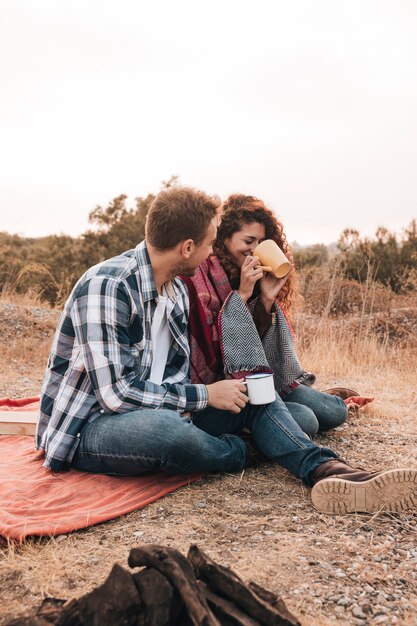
250,273
228,395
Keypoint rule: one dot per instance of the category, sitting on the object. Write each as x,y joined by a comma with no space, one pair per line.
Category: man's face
201,252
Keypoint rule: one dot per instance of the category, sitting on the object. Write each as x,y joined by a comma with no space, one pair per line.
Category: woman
233,269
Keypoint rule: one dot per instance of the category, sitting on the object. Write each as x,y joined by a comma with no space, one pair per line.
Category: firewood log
226,611
161,603
178,570
272,599
32,620
116,601
226,583
51,609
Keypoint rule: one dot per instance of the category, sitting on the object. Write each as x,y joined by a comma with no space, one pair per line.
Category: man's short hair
177,214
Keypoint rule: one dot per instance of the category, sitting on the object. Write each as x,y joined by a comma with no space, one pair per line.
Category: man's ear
187,248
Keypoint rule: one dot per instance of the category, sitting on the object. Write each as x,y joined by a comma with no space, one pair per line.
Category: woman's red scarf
208,289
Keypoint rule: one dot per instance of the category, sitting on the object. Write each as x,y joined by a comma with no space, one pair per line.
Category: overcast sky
310,105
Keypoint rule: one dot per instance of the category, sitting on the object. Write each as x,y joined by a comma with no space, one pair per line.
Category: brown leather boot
341,489
341,392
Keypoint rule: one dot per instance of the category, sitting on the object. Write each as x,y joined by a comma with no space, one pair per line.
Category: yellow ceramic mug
272,258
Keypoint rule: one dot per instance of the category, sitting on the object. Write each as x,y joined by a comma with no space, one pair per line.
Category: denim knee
304,416
336,416
330,411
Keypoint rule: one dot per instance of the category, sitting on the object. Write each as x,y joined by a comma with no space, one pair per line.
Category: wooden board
18,422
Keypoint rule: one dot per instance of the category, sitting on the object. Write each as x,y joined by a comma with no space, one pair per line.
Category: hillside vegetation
46,268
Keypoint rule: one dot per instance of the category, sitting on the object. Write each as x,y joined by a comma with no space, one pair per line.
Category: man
117,398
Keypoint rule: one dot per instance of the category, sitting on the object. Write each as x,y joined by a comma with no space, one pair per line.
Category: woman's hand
270,287
250,273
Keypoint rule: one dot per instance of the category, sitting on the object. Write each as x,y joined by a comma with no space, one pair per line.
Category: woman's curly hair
238,210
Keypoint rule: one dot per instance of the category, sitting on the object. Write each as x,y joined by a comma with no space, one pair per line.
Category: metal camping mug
260,387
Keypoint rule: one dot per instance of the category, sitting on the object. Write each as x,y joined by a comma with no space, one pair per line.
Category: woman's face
244,241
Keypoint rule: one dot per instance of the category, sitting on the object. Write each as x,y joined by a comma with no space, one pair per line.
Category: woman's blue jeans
315,410
158,439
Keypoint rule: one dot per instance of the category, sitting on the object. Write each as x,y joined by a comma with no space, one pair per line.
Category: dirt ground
355,569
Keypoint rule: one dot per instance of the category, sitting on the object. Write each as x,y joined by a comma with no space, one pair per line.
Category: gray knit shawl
244,351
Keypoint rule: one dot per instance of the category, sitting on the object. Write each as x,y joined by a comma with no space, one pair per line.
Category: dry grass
26,329
260,522
378,360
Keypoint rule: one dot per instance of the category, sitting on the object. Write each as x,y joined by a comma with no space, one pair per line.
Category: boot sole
393,491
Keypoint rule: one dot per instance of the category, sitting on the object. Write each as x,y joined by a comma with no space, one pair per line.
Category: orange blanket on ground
35,501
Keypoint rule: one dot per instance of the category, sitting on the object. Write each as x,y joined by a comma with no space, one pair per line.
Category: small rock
357,612
344,601
93,560
339,610
366,607
402,552
138,534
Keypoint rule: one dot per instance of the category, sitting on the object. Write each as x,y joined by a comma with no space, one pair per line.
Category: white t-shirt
161,338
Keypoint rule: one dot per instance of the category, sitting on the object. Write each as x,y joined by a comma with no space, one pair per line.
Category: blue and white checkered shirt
101,356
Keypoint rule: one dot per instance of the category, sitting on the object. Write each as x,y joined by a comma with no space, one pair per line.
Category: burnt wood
226,583
116,601
161,603
178,570
225,610
272,599
51,609
28,621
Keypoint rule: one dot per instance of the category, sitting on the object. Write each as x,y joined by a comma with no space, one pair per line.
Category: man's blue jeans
315,410
158,439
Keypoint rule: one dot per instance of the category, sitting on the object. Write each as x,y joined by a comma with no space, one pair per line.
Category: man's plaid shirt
101,355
